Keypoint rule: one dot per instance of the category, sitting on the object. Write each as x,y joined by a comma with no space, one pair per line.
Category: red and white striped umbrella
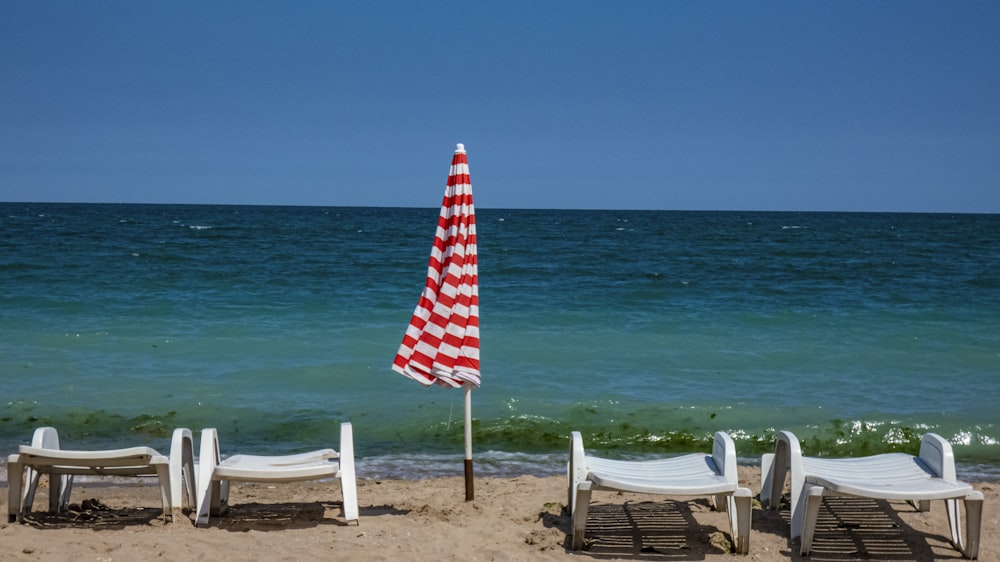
441,344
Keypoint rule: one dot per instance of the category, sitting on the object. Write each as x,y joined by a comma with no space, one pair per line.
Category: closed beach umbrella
441,344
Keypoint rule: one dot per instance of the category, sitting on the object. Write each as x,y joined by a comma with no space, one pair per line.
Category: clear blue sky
846,105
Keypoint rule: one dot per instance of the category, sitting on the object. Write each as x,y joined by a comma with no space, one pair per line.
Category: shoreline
515,518
445,466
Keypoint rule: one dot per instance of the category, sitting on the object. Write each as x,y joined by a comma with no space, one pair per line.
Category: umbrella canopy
441,345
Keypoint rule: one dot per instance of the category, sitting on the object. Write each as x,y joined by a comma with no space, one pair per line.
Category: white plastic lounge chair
694,474
175,474
215,474
888,476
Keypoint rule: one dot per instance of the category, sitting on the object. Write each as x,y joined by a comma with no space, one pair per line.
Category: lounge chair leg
582,503
30,484
65,489
954,522
189,488
766,481
55,493
720,502
739,519
973,524
348,478
813,499
181,472
220,498
163,477
15,483
576,472
207,489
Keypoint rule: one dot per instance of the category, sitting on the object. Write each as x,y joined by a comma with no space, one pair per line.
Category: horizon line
583,209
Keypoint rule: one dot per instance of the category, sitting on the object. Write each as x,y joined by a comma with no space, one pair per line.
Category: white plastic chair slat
242,474
317,456
687,475
683,468
892,476
915,490
117,457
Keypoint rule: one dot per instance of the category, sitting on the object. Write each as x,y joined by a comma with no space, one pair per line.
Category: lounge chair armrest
775,468
790,443
208,458
348,476
576,472
208,455
181,449
787,462
181,471
181,440
787,458
937,456
346,443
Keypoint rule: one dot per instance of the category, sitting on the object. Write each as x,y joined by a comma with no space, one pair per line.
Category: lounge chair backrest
45,438
937,456
724,455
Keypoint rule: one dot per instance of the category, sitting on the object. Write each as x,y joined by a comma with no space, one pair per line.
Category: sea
647,331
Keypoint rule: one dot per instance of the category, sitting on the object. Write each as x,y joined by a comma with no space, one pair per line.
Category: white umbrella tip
459,147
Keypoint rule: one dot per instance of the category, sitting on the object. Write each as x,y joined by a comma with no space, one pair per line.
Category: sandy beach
511,519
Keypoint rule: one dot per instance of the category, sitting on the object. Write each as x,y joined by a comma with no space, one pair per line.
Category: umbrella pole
470,490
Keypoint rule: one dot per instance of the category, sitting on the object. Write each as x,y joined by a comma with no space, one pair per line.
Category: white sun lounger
686,475
175,474
888,476
215,474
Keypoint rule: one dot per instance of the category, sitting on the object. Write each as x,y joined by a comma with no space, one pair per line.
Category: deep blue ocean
646,331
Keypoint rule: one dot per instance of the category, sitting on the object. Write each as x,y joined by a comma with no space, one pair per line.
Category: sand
510,519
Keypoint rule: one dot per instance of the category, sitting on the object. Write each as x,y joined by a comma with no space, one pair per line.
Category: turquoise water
647,331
